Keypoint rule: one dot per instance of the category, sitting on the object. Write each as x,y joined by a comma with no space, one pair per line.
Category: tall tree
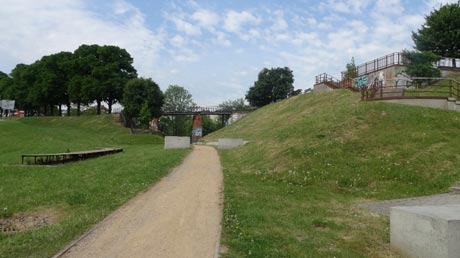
420,64
114,70
272,85
441,32
53,73
3,83
139,93
108,68
21,88
177,99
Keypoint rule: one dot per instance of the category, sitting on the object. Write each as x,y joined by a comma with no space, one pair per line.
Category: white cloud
279,23
185,26
235,21
388,7
344,6
206,18
32,29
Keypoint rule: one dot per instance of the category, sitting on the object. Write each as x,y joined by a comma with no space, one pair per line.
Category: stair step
454,190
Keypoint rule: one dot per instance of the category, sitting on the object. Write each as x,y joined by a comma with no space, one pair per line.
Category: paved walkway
385,206
178,217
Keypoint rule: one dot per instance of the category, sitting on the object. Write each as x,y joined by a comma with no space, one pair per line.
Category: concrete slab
176,142
229,143
426,231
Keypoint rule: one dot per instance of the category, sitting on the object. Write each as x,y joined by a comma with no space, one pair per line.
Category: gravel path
178,217
433,200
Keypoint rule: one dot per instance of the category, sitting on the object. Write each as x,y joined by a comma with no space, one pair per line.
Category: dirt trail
178,217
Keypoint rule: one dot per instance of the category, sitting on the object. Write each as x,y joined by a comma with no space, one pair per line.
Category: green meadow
293,190
75,195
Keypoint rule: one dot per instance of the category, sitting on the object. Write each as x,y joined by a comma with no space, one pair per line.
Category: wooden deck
56,158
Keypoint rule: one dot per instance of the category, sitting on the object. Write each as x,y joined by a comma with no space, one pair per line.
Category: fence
334,83
417,87
397,58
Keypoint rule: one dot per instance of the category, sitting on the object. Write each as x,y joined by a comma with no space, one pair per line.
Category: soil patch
24,221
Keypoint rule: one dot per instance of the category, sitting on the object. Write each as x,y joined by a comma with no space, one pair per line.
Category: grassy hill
76,195
292,191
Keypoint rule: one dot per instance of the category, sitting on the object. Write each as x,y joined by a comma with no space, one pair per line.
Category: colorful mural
391,76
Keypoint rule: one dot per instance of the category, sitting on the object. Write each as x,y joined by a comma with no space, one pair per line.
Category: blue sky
214,49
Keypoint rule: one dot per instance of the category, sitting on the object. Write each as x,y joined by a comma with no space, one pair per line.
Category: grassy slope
81,193
292,191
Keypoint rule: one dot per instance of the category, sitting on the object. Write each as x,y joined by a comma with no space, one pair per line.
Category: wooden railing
416,88
335,83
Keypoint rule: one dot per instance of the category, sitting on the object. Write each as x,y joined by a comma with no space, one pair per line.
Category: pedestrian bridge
207,111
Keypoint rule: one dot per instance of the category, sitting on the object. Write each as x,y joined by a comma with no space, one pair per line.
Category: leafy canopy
272,85
420,64
441,32
141,92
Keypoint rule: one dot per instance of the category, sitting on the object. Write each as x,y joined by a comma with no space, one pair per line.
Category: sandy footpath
178,217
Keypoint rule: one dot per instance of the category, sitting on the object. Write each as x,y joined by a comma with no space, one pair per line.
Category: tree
139,92
52,80
114,71
237,104
420,64
272,85
177,99
145,116
108,68
4,78
441,32
21,88
351,71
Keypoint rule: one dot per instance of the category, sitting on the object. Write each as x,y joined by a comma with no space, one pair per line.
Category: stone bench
426,231
176,142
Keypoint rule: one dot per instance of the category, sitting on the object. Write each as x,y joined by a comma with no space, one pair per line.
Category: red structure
197,131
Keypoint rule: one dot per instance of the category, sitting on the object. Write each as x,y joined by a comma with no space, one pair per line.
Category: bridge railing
208,110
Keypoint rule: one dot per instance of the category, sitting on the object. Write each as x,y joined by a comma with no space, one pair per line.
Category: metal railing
397,58
415,88
334,83
216,110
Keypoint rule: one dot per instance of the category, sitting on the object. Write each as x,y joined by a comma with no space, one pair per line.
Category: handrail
413,89
397,58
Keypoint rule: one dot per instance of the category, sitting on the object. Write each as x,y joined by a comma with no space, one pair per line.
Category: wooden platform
55,158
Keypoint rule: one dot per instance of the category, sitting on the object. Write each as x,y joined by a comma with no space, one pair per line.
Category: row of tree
92,73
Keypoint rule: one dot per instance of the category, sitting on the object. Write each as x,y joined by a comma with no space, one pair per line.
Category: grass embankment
76,195
292,191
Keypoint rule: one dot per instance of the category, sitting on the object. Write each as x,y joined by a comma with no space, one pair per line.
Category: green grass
80,193
292,191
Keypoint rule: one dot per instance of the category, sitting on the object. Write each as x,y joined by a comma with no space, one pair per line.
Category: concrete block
321,87
176,142
229,143
426,231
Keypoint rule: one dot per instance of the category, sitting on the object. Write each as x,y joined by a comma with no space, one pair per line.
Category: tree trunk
51,110
78,109
110,103
60,109
98,108
68,108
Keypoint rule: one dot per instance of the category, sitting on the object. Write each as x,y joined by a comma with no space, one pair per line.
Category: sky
215,49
